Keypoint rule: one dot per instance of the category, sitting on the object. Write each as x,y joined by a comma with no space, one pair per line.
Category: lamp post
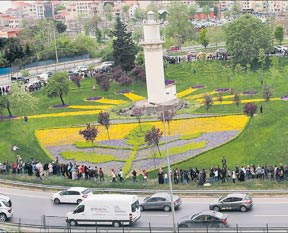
168,166
169,176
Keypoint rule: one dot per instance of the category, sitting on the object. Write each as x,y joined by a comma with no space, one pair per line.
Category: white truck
106,209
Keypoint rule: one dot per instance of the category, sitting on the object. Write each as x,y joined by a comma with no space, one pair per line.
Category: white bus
106,209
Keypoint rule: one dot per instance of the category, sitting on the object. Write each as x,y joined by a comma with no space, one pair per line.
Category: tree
153,136
167,116
244,37
22,101
58,86
104,119
138,113
179,28
90,133
279,33
76,79
124,49
237,99
5,104
208,101
203,37
61,27
250,109
267,93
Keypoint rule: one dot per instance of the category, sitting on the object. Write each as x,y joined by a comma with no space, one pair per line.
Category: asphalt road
30,206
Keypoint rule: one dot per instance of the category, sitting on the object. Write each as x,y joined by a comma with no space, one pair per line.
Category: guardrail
11,227
136,191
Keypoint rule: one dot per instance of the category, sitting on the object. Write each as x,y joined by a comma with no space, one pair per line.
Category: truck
106,209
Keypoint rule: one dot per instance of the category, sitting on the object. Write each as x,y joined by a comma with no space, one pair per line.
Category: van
44,77
106,209
6,211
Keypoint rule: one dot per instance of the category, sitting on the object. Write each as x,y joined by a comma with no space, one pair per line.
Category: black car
204,219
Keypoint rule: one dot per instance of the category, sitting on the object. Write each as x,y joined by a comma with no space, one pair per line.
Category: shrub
250,109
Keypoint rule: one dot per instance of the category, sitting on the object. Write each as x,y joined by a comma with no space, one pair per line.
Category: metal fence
58,224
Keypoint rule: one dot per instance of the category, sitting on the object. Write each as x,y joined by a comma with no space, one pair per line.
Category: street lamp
168,166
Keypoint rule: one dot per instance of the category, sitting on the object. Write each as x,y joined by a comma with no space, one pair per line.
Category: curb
139,191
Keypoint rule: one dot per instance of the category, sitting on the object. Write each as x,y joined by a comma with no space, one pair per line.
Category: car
73,195
81,69
234,201
204,219
6,210
174,48
160,201
20,79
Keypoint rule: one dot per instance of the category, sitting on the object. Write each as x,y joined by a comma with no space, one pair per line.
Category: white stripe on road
155,215
269,215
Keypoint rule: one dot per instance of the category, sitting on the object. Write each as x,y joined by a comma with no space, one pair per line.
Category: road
5,79
30,206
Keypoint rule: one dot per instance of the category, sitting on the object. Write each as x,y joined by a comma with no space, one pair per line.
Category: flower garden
197,137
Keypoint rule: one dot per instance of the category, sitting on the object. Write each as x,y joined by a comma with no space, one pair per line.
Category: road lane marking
155,215
270,215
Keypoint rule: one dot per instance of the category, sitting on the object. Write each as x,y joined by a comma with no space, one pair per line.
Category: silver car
234,201
160,201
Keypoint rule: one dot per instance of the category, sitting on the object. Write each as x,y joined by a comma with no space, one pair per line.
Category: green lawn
262,142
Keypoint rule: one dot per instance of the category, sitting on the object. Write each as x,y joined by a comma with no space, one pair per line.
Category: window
7,203
79,209
74,193
230,199
135,206
237,199
86,191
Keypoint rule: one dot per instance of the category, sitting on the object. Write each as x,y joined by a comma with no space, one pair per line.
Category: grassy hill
262,142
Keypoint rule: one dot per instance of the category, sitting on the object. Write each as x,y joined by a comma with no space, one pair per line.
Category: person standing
233,176
134,176
121,175
101,174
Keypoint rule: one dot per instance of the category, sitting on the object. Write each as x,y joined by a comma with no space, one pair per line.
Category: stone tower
158,91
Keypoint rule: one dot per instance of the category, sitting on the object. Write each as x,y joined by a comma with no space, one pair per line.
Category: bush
250,109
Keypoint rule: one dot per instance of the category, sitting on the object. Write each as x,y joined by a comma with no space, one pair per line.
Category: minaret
157,91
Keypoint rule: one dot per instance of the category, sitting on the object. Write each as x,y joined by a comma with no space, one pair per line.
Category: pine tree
124,49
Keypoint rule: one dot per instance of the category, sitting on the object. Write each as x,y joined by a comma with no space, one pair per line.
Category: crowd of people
74,171
4,90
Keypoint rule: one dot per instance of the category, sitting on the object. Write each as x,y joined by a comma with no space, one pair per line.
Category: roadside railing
65,228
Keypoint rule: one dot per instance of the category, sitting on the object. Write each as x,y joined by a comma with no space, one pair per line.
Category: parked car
6,210
72,195
234,201
160,201
204,219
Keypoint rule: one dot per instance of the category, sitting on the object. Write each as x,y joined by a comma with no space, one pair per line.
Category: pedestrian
134,176
113,176
233,176
145,175
25,119
261,108
101,174
121,175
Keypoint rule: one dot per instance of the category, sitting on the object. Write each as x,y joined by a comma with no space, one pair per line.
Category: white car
72,195
6,211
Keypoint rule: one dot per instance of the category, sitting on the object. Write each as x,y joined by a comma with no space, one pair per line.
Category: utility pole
55,45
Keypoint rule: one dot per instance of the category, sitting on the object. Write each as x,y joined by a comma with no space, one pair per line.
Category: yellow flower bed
199,96
64,114
62,136
133,96
186,92
208,124
90,106
109,101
